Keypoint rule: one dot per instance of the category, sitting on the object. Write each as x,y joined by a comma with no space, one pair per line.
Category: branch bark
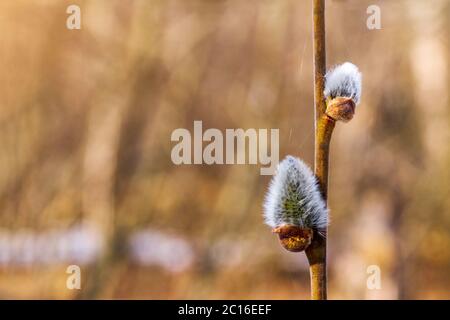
324,125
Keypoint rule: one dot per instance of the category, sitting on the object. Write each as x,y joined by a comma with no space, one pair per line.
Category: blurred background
86,176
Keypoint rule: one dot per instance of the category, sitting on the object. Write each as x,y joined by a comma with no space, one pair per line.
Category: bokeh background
86,176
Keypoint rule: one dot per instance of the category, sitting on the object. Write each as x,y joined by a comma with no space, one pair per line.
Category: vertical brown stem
324,130
319,56
317,251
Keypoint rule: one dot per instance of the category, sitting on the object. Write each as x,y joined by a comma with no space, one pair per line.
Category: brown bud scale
341,109
294,238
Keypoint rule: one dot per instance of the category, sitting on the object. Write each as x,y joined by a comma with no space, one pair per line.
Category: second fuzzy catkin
343,81
294,197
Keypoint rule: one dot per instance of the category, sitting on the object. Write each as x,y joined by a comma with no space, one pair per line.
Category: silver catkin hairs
343,81
294,197
342,91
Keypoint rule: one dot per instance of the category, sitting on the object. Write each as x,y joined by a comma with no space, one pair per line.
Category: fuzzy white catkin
343,81
294,197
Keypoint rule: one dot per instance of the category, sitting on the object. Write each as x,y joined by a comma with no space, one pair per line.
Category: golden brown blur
86,176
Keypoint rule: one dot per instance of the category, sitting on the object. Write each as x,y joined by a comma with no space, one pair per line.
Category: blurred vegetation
85,123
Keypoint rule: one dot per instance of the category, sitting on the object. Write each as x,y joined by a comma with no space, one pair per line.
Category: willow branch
324,125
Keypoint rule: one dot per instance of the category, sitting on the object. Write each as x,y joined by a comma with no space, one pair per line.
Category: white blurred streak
150,247
83,244
79,244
